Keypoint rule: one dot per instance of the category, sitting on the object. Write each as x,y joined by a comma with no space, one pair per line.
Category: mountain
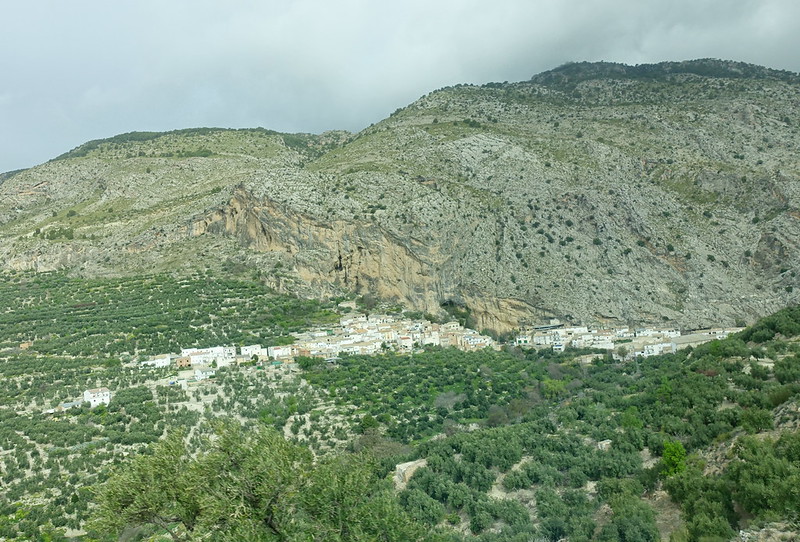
594,192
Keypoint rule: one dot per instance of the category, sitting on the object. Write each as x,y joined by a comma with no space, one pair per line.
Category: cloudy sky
75,70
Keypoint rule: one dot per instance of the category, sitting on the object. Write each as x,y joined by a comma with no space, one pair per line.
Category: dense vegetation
564,442
550,414
149,315
517,444
88,333
575,72
253,486
49,462
418,396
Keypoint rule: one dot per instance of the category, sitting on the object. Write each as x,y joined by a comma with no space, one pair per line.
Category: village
624,343
356,334
373,334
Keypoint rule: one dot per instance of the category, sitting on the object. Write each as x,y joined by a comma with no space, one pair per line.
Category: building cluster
625,342
198,364
365,335
356,334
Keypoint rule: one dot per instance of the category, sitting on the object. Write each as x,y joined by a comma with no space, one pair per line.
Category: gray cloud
86,69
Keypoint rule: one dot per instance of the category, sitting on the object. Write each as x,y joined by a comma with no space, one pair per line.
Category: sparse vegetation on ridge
473,185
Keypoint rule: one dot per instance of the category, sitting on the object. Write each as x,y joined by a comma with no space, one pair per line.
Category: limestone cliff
335,256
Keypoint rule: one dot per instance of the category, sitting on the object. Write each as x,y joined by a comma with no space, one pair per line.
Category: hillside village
356,334
595,192
625,343
362,334
373,334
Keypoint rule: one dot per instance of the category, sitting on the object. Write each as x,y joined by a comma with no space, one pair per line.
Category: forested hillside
516,445
507,445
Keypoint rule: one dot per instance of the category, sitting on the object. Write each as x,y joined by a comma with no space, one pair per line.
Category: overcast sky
75,70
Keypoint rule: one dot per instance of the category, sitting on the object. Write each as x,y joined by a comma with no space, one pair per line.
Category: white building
352,319
203,374
523,340
451,326
603,343
367,348
405,342
380,319
223,355
253,350
546,339
201,357
97,396
387,333
431,338
656,349
219,352
157,363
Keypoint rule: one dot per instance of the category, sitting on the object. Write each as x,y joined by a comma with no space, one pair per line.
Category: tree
151,490
367,422
553,388
756,419
497,416
765,474
673,460
633,521
252,485
422,507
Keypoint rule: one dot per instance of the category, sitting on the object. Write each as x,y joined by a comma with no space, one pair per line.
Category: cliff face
336,256
592,193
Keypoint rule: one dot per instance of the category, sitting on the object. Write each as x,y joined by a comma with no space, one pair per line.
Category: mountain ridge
668,196
727,69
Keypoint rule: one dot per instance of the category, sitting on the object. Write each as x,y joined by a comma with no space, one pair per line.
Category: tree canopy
251,486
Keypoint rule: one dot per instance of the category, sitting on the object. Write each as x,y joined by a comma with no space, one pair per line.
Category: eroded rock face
347,256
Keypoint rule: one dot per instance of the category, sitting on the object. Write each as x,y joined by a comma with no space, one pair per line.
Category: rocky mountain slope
593,192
